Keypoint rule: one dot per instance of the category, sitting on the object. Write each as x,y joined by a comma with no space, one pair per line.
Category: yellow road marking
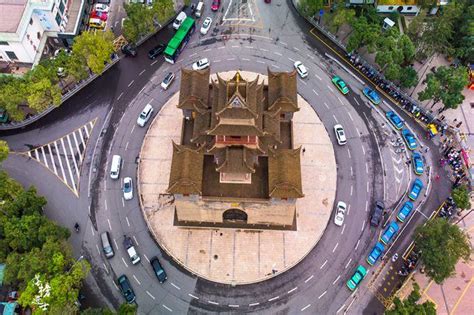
462,295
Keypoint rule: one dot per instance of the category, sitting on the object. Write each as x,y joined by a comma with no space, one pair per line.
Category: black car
158,269
155,52
377,214
129,50
126,289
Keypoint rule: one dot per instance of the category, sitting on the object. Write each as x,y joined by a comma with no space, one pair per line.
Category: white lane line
292,290
310,277
310,56
340,309
303,82
136,280
363,226
340,100
350,116
133,128
317,76
304,308
259,61
98,250
347,265
44,157
326,104
324,264
230,59
146,257
124,262
245,59
67,163
193,296
218,60
366,205
292,60
338,277
334,116
367,168
356,101
115,242
115,285
82,136
151,64
315,92
131,82
249,47
135,239
174,285
349,152
284,44
233,305
363,150
352,172
296,49
37,155
275,66
51,156
128,223
77,146
357,245
221,47
126,146
348,209
277,53
209,49
335,247
105,267
343,227
367,186
123,202
358,132
105,201
169,309
120,96
143,71
110,226
212,302
261,49
254,304
330,88
233,46
274,298
324,293
352,189
92,230
150,295
192,55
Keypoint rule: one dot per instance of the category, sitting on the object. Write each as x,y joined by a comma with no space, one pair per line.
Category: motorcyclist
76,227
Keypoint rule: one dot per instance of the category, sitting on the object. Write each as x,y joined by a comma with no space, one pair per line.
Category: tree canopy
461,197
442,244
4,150
310,7
411,306
94,49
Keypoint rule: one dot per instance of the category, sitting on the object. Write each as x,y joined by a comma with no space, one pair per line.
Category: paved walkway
234,255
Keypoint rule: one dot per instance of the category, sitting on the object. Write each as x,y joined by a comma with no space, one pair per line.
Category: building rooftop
11,13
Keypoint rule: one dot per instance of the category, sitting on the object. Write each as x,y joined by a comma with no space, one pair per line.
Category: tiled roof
282,91
284,173
194,91
186,170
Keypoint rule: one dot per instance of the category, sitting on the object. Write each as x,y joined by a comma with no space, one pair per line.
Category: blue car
418,166
415,189
389,233
409,139
372,95
405,211
375,253
394,119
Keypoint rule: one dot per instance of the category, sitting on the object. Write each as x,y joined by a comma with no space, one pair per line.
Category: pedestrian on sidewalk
459,125
304,150
437,177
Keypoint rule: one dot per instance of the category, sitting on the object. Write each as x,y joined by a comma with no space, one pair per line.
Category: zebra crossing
64,156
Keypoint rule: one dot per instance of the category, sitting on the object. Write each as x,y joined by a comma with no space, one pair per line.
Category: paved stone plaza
234,255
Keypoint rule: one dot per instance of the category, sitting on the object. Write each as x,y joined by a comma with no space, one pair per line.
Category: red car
99,15
215,5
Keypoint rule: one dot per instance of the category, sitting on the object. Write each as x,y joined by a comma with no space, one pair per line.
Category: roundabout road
367,170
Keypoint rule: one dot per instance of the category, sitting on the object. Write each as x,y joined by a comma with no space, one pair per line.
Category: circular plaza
234,250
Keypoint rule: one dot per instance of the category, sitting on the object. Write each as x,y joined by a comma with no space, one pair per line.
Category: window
11,55
61,7
58,19
38,35
3,43
390,8
31,21
409,8
54,5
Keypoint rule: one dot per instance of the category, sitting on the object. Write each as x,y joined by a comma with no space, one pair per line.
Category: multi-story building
26,25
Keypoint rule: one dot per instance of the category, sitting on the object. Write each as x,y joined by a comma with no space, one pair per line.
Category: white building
26,25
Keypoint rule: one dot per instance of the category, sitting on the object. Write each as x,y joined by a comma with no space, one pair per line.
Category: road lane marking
363,226
245,59
51,156
123,203
233,305
367,186
150,295
335,247
352,188
356,101
284,44
340,309
334,116
105,201
275,66
67,163
326,104
209,49
221,47
135,239
292,290
212,302
317,76
352,172
136,280
92,230
366,205
296,49
77,146
265,50
358,132
120,96
366,167
347,265
342,104
249,47
274,298
98,250
303,82
330,88
315,92
338,277
310,277
143,71
254,304
169,309
193,296
105,267
324,293
259,61
73,156
233,46
174,285
350,116
304,308
324,264
230,59
363,150
348,209
115,285
131,82
277,53
115,241
124,262
192,55
292,60
349,152
128,223
151,64
133,128
146,258
343,227
110,226
357,245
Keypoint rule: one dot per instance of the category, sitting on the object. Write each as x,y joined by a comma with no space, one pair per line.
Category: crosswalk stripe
60,161
37,155
67,164
52,159
44,157
73,156
29,153
82,139
77,146
87,131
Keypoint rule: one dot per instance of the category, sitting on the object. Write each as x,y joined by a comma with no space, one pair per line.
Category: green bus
179,40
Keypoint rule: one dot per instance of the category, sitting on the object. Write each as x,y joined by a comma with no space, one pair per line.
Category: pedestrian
459,125
427,149
437,177
304,150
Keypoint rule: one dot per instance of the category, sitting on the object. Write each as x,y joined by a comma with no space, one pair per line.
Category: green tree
363,34
42,94
411,306
163,10
9,190
310,7
408,77
461,197
94,49
97,311
12,95
463,37
4,150
127,309
445,85
75,67
340,17
442,244
139,21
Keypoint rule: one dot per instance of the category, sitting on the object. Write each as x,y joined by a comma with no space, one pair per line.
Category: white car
127,188
340,212
206,25
100,7
301,69
340,134
165,84
201,64
145,115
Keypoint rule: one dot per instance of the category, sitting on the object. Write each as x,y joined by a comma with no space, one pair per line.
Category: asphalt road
270,36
